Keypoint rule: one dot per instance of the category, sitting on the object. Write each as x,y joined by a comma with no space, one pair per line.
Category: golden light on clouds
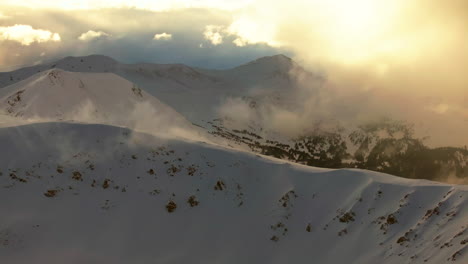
249,31
213,34
2,16
158,5
359,29
344,31
163,36
91,34
26,35
350,32
397,49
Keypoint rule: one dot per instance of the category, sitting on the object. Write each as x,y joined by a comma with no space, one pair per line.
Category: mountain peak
90,63
279,59
89,58
268,64
58,94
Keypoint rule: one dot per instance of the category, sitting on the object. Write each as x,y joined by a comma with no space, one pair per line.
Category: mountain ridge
96,180
57,94
106,63
210,99
150,172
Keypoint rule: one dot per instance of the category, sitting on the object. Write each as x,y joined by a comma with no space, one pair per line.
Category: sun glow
359,29
158,5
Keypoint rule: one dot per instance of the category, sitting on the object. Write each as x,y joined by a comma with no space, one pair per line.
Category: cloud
26,35
91,34
250,32
214,34
131,36
244,32
2,16
379,58
160,5
163,36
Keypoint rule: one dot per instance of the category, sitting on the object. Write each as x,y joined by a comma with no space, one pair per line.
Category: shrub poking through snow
432,212
347,217
391,219
192,200
402,239
51,193
286,198
219,186
77,176
172,170
343,232
171,206
191,170
106,184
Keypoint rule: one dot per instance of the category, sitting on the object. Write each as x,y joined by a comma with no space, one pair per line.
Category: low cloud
26,34
3,16
91,35
380,58
163,36
311,105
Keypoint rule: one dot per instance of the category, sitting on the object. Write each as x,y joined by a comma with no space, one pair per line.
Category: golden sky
415,48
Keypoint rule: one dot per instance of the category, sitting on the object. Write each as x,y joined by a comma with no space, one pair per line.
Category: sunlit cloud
159,5
389,49
244,32
91,34
26,35
214,34
249,31
163,36
440,108
3,16
186,27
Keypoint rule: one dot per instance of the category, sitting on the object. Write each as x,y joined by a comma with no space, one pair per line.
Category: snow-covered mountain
80,193
193,92
101,163
218,99
56,94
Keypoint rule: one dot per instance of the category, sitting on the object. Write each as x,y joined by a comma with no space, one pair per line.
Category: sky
412,52
196,33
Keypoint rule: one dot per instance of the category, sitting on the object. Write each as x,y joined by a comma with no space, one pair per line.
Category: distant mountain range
382,145
104,162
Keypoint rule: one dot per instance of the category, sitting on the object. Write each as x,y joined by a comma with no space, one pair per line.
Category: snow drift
93,193
105,98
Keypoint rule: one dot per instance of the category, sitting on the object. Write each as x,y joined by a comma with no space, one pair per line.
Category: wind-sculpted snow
103,98
298,114
195,93
76,193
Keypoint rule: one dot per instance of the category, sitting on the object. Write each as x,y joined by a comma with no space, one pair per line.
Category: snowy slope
94,63
88,97
255,98
74,193
195,93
